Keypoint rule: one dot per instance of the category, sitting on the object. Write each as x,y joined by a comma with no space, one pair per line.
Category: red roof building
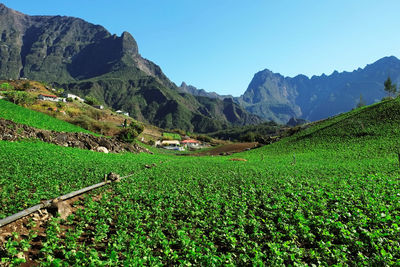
190,141
52,96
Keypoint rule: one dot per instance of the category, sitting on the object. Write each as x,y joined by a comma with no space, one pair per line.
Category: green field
328,195
35,119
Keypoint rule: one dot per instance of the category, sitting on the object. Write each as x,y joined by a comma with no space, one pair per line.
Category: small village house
46,97
98,106
191,143
75,97
170,143
122,112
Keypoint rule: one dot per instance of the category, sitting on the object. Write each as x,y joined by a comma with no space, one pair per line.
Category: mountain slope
87,60
273,96
190,89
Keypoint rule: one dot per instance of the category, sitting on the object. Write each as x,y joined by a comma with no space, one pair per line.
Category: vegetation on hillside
251,133
35,119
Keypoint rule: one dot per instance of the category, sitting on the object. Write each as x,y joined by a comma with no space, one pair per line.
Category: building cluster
190,144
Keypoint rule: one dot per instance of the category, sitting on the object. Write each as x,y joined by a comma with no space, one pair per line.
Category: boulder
102,149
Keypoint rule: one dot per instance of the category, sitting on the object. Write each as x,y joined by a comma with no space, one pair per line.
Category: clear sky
218,45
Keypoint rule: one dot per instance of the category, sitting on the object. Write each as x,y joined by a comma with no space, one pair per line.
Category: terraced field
328,195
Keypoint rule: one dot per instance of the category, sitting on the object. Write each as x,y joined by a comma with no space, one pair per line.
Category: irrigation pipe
47,203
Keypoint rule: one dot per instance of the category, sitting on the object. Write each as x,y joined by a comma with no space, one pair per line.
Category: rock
102,149
113,177
62,207
11,131
44,136
62,138
105,143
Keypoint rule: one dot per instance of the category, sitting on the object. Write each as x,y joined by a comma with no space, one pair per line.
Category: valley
327,192
295,171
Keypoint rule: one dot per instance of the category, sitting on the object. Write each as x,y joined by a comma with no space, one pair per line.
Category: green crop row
33,171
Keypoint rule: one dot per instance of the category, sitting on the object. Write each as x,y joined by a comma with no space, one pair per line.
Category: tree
18,97
90,100
390,88
361,102
129,134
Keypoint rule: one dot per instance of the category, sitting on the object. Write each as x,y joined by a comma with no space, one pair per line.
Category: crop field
45,171
35,119
328,195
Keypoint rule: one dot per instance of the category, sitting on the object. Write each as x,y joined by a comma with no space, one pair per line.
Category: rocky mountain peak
275,97
3,8
129,44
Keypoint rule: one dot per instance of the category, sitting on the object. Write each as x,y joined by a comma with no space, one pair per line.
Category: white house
98,106
170,143
53,98
122,112
191,143
75,97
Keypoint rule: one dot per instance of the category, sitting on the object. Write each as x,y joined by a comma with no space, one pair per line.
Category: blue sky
218,45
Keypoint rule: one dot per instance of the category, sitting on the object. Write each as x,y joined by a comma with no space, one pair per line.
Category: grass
35,119
327,195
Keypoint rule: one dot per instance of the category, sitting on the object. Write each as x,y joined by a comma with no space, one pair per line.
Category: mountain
86,59
275,97
190,89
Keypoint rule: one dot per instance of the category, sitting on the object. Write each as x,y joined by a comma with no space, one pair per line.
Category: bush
60,104
90,100
6,86
26,85
129,134
69,99
18,97
171,136
151,142
204,138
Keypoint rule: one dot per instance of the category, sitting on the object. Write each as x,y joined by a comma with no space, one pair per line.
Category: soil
11,131
228,149
40,219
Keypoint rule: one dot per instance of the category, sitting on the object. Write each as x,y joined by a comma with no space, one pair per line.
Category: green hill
35,119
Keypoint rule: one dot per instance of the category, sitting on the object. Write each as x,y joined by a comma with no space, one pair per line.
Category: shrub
6,86
90,100
129,134
204,138
18,97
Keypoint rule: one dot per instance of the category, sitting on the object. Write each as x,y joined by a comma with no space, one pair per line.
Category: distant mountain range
87,60
290,100
275,97
190,89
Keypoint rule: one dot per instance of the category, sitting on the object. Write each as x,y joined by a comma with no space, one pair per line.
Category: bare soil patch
228,149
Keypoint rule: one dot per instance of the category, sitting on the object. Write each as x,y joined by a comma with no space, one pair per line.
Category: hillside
87,60
327,195
35,119
275,97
